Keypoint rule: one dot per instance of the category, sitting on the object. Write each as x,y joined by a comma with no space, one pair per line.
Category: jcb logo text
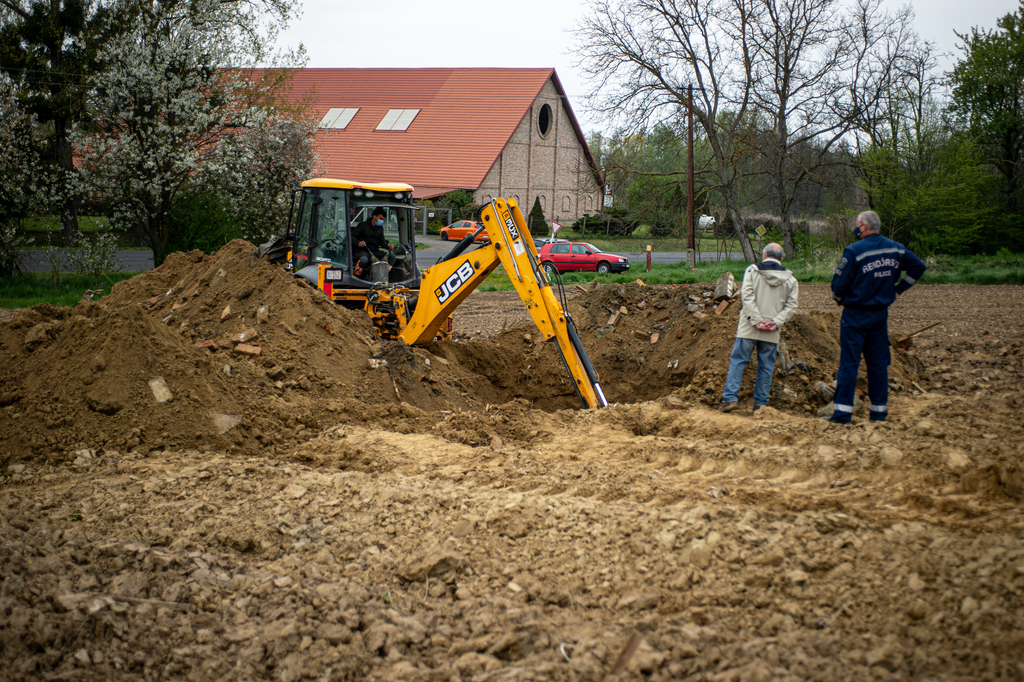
454,283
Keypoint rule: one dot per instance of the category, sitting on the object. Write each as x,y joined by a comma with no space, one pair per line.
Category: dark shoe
830,420
728,407
757,407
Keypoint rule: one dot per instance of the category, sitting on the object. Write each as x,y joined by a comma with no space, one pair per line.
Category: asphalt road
139,260
134,260
637,259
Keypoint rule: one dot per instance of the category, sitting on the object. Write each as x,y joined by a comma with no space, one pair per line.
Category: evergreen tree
47,50
537,222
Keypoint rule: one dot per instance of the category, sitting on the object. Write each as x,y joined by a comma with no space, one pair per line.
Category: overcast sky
524,33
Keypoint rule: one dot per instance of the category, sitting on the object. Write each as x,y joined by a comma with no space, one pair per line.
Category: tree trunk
785,223
69,208
69,224
741,233
155,232
788,245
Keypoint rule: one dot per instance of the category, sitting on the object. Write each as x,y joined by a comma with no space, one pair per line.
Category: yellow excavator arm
445,285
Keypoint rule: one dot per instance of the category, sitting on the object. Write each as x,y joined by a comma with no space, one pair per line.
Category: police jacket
868,275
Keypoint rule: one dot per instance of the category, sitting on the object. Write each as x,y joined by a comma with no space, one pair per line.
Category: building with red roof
494,131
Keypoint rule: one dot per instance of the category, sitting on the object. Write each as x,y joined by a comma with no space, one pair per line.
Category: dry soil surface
214,473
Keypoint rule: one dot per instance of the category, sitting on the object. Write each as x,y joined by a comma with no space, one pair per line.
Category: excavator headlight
369,194
399,195
357,193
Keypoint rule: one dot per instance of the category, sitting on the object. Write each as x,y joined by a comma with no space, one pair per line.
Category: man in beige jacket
769,295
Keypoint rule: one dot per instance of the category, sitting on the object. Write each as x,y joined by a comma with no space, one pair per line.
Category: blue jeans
742,350
863,332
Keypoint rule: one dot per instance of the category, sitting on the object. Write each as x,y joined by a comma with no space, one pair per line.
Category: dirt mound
478,538
651,341
226,352
221,352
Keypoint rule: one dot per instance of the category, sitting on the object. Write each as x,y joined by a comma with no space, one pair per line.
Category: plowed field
215,473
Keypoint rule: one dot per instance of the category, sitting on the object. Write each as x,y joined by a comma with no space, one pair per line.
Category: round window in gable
544,120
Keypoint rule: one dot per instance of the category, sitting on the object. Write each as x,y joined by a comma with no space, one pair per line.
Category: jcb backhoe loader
415,306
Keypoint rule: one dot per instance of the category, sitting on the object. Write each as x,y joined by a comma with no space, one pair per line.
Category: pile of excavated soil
223,352
230,353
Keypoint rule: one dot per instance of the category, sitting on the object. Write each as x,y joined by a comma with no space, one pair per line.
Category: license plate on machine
332,274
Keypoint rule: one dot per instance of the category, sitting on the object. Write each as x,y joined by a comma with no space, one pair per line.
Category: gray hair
870,220
772,251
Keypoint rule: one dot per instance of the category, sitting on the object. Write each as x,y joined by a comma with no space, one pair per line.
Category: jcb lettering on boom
454,283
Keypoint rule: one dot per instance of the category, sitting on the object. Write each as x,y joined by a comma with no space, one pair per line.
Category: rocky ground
268,492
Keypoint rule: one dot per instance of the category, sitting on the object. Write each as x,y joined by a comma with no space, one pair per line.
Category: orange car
460,229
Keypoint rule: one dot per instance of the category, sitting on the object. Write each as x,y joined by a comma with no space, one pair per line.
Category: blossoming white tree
173,101
19,171
258,165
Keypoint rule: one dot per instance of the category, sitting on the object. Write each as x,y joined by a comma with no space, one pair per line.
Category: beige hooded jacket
767,295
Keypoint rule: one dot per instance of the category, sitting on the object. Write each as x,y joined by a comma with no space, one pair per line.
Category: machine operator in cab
370,242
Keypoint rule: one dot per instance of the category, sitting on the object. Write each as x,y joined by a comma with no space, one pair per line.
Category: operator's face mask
379,223
856,231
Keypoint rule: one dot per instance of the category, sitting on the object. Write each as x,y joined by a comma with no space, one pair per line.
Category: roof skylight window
337,119
397,119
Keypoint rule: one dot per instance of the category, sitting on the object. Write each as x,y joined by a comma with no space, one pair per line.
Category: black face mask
856,231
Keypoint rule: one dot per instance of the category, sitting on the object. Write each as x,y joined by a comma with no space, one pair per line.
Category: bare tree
800,56
642,55
890,83
880,44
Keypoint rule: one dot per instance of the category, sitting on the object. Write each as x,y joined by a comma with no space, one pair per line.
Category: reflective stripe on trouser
863,332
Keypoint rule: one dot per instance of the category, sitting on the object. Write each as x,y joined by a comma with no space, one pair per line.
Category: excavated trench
224,352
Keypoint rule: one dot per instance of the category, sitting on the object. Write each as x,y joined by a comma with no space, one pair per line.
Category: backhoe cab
325,250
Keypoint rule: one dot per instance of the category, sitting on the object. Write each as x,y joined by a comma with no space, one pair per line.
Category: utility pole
691,242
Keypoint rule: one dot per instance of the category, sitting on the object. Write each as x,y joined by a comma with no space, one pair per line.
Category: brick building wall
552,166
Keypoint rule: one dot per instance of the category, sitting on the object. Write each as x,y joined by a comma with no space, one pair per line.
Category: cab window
398,225
303,230
330,244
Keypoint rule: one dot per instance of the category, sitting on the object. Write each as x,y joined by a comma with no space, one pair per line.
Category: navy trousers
863,332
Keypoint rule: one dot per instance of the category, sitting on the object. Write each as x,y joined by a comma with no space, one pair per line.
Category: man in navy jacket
866,283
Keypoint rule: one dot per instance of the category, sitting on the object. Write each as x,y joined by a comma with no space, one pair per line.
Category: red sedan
568,256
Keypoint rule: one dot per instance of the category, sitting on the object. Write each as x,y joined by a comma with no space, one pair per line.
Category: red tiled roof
466,118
